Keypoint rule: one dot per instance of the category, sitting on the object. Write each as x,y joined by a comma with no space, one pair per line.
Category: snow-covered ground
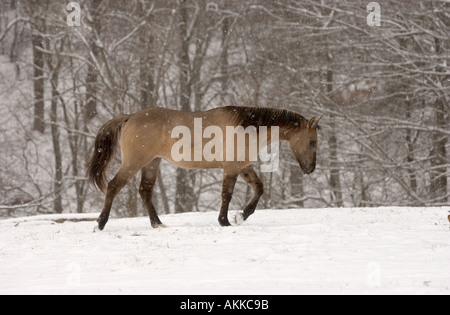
331,251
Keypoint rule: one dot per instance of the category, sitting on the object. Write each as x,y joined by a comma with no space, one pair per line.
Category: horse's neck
275,134
284,134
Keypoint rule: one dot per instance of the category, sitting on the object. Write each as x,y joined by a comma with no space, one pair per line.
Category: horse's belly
207,165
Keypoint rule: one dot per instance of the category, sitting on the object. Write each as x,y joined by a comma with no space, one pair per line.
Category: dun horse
146,138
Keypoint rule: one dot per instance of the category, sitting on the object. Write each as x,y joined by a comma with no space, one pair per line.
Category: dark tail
104,150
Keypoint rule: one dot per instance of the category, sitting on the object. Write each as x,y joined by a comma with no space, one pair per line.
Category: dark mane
263,116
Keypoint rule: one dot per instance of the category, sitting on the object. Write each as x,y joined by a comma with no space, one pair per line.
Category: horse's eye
312,143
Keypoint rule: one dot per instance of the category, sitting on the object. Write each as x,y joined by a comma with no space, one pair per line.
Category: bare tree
37,40
92,76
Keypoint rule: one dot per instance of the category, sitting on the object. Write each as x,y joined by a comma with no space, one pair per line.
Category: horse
147,137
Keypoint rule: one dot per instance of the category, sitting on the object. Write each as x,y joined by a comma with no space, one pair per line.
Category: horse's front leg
250,177
149,176
229,181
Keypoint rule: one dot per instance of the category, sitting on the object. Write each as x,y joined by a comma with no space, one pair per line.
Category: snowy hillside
375,251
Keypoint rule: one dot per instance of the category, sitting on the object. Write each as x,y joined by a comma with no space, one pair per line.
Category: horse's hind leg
249,175
149,175
229,181
114,187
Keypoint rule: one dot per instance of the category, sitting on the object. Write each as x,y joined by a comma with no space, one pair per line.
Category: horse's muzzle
309,169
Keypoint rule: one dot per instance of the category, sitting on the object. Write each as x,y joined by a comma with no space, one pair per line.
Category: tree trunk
162,190
438,174
335,182
146,69
91,78
403,86
224,60
132,200
185,84
54,81
54,63
58,185
410,157
13,50
3,22
146,64
38,76
297,190
184,196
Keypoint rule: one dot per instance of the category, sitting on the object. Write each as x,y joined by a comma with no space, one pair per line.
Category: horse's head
304,145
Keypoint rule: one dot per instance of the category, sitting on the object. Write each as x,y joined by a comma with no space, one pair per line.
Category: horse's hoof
239,219
101,223
158,226
224,222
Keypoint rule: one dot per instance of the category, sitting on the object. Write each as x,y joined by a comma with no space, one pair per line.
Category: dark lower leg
114,187
149,175
227,193
252,179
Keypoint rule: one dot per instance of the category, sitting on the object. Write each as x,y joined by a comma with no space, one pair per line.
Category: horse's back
155,132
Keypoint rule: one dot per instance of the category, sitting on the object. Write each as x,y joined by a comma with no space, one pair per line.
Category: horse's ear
314,123
311,122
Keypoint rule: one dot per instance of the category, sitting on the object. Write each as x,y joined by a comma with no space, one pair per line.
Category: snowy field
330,251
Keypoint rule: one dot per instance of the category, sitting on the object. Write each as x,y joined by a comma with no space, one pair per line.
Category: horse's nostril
309,169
